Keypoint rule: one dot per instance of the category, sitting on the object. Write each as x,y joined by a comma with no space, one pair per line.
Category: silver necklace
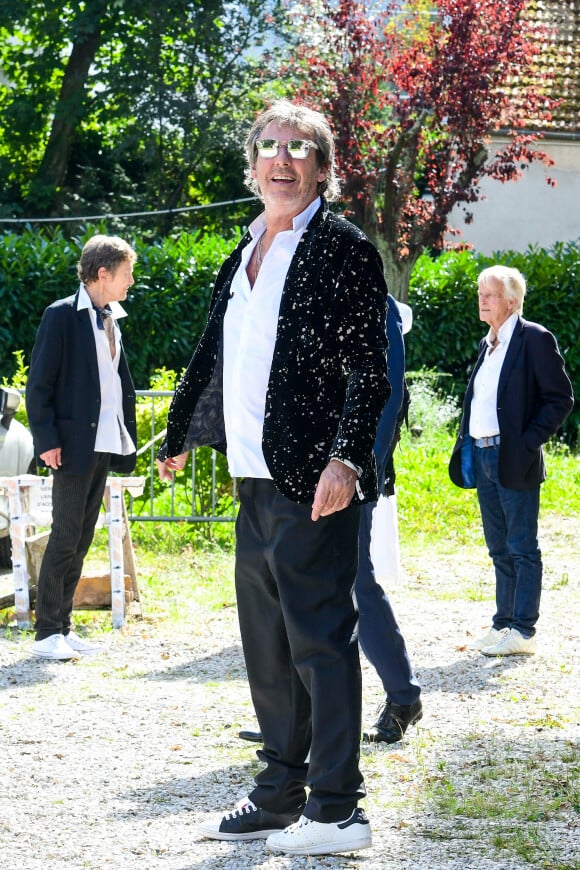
259,256
259,253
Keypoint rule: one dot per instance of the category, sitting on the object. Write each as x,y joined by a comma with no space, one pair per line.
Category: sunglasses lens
267,147
298,149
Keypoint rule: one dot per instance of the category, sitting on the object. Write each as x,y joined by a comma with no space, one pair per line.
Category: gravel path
110,762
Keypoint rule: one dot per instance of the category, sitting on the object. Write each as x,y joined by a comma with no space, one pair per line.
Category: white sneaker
84,647
512,644
492,637
307,837
54,647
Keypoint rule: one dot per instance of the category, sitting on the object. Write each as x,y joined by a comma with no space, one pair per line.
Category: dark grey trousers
76,502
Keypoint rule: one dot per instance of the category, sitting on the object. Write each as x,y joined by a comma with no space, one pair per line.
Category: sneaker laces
302,822
242,808
505,633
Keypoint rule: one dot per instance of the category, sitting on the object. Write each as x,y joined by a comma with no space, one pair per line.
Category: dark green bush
446,326
167,306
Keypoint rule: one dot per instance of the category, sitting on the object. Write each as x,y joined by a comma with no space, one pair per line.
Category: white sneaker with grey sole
307,837
84,647
512,644
54,647
493,636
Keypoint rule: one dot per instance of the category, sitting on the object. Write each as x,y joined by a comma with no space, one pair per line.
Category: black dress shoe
254,736
393,721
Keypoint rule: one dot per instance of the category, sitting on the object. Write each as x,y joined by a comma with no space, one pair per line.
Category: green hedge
167,306
446,326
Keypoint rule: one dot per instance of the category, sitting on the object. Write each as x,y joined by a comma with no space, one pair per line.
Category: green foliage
35,269
446,326
167,306
431,408
431,509
18,382
129,106
169,302
203,488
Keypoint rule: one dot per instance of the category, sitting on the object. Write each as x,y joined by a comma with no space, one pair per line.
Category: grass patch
510,791
434,512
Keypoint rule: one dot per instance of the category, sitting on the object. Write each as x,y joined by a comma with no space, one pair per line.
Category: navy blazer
328,381
63,392
534,397
396,372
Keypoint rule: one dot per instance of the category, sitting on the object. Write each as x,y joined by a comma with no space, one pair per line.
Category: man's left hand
334,491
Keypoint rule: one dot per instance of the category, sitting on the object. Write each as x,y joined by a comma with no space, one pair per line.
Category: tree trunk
397,272
398,275
68,112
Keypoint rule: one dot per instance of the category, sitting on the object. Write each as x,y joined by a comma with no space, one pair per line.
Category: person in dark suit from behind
380,637
518,397
80,401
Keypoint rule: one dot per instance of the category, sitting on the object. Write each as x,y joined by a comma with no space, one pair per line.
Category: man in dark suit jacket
80,401
518,397
289,379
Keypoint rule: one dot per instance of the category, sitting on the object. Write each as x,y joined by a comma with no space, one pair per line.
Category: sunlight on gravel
109,763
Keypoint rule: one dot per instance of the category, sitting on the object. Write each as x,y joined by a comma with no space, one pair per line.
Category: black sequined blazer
328,382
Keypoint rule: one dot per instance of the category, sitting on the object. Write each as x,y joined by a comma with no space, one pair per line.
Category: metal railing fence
203,495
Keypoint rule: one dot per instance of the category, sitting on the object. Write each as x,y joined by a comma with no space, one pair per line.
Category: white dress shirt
250,328
483,420
112,434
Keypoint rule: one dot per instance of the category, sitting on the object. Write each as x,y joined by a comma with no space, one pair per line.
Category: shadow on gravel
255,854
226,664
29,672
182,796
471,672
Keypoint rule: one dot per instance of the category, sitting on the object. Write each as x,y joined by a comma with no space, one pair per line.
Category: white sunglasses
298,149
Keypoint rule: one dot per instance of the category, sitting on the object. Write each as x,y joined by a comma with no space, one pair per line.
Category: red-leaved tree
413,93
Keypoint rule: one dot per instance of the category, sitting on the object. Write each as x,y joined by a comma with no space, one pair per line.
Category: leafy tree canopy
122,105
414,90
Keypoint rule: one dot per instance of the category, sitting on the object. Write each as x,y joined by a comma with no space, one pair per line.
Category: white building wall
526,212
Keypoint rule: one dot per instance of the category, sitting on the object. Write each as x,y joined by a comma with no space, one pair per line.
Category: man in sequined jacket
289,381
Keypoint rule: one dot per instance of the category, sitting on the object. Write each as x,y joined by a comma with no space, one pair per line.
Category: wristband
349,464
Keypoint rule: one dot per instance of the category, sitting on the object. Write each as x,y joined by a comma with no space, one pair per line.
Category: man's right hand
52,458
171,464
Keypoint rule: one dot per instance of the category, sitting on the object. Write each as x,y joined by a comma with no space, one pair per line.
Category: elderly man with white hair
518,397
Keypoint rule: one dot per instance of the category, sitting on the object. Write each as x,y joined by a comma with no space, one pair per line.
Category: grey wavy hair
106,251
313,125
512,281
